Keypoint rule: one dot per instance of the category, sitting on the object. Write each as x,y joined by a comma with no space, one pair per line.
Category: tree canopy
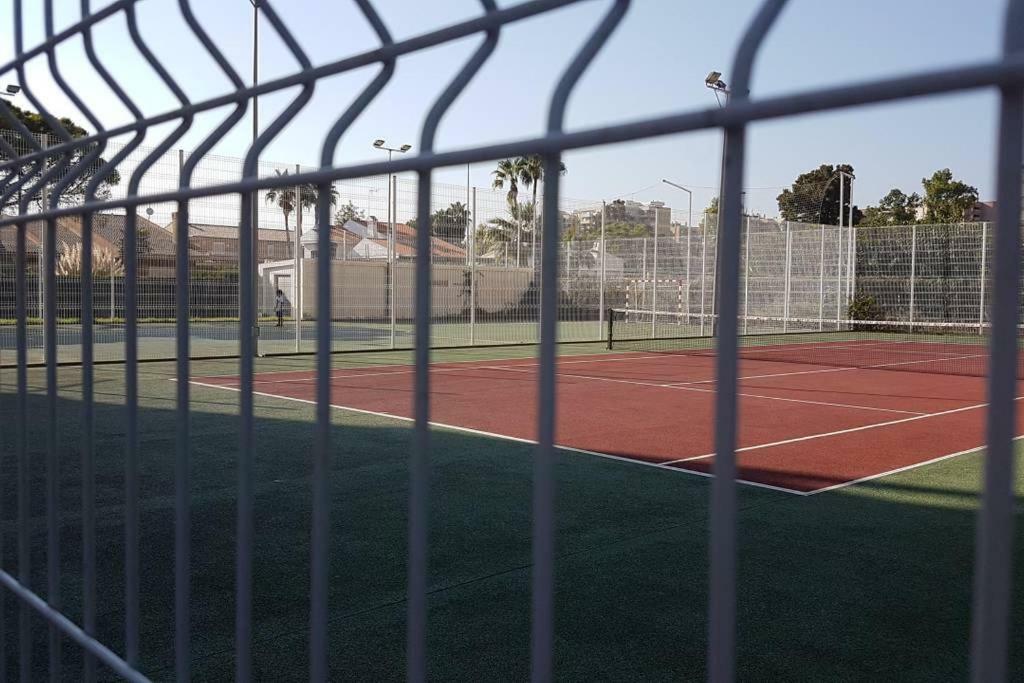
75,192
814,196
348,212
947,199
895,208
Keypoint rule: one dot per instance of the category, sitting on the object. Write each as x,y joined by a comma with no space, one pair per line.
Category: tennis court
816,413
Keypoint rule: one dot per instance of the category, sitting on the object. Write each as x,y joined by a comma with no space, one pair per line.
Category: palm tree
531,173
286,201
450,224
508,173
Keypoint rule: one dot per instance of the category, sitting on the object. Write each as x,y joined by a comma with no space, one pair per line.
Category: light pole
381,145
689,217
715,83
255,194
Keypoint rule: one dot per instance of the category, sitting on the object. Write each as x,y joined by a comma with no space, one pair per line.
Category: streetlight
715,83
255,193
689,218
10,90
382,145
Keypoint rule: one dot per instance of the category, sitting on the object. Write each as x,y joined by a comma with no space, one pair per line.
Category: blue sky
654,64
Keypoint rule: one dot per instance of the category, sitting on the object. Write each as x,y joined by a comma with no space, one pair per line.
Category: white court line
905,468
842,369
506,437
823,435
711,391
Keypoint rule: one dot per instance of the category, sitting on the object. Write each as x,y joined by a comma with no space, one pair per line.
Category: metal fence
47,173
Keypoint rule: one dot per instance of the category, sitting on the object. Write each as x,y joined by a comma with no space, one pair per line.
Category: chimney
174,222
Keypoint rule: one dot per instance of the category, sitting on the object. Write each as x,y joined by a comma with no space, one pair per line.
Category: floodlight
13,89
405,148
713,79
378,143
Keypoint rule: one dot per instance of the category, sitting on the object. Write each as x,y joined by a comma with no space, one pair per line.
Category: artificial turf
871,582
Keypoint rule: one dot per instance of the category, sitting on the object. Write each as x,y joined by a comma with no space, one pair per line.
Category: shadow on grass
868,583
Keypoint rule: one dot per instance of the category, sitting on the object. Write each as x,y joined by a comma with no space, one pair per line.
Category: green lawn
871,582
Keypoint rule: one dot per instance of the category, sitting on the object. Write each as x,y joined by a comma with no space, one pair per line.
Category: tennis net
931,347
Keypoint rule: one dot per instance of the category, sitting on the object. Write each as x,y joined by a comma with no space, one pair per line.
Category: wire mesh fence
378,292
486,278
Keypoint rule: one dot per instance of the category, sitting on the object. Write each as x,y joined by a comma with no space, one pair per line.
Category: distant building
981,212
629,211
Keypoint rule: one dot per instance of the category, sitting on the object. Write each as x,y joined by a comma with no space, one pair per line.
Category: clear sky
654,64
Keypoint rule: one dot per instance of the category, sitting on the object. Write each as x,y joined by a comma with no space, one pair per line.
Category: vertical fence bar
654,284
787,278
602,280
703,270
393,259
689,229
183,426
746,278
297,265
913,272
472,273
981,279
821,283
723,545
131,370
21,448
990,618
52,473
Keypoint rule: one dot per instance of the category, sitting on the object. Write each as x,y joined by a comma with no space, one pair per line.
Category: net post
981,279
610,318
913,271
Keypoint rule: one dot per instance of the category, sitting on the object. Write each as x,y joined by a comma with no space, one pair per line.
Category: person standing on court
279,308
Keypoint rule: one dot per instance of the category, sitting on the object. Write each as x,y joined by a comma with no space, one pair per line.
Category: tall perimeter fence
764,266
486,275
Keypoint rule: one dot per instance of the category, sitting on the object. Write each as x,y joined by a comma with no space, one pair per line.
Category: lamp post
381,145
255,194
715,83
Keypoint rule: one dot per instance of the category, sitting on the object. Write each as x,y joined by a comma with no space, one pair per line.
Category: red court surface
803,428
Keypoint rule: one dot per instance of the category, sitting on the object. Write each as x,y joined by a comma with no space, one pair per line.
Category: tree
75,192
814,196
614,230
450,224
945,199
104,263
349,212
511,229
286,200
507,174
895,208
531,173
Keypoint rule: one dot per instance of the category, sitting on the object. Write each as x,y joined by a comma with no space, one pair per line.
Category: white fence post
601,283
787,278
981,280
746,280
913,271
821,283
654,291
296,268
472,273
392,261
703,270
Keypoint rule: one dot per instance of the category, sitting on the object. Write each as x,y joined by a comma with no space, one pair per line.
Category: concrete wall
360,289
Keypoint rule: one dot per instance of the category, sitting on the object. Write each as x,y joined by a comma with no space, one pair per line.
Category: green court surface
869,582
